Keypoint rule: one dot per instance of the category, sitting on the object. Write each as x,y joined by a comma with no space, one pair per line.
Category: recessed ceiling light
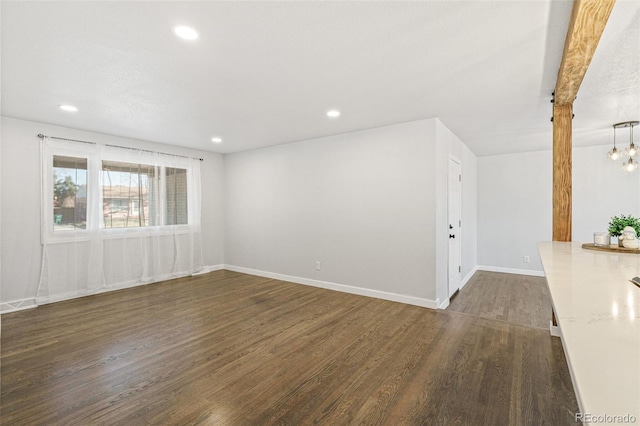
69,108
333,113
186,33
216,140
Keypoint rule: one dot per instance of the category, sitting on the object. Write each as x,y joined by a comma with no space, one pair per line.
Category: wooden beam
562,116
588,19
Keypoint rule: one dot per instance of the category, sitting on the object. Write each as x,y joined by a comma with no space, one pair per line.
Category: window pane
176,190
129,193
69,193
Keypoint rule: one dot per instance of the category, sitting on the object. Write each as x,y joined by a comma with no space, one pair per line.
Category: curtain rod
41,136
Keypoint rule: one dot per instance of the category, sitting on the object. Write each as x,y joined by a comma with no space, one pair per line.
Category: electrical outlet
317,265
525,259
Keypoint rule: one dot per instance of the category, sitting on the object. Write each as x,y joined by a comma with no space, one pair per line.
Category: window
69,193
114,217
176,193
97,188
128,194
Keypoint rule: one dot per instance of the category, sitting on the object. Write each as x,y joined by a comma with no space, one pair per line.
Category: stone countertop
598,313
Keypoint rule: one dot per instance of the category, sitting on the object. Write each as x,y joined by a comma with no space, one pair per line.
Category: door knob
452,236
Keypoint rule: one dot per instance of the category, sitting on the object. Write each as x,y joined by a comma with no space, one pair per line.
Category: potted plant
617,224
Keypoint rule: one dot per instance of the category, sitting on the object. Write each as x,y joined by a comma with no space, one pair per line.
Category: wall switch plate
525,259
317,265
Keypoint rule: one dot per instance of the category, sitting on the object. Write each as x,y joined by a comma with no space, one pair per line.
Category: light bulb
186,33
632,150
613,154
630,165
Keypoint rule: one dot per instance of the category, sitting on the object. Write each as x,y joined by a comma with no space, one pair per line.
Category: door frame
459,230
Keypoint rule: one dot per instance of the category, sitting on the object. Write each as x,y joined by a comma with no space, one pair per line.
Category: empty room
320,212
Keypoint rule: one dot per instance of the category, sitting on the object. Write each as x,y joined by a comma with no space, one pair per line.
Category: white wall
514,208
363,204
601,189
515,203
20,201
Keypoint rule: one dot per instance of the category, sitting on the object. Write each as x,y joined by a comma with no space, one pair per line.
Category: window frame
157,169
52,187
95,227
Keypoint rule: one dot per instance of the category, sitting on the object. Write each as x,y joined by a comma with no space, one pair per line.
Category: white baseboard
207,269
531,272
394,297
33,302
466,279
444,304
17,305
59,297
554,329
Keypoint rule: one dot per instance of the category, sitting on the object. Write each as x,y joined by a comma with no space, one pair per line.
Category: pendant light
614,154
629,164
631,151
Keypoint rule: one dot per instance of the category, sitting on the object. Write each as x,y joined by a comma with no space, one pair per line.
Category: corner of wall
1,127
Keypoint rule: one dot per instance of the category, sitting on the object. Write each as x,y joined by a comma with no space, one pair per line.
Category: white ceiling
265,73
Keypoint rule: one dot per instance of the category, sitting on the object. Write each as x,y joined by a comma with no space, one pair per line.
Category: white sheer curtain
115,218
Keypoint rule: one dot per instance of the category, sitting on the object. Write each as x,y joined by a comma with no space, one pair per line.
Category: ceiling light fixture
68,108
629,165
186,33
216,140
333,113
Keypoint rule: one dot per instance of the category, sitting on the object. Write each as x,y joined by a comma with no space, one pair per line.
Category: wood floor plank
518,299
234,349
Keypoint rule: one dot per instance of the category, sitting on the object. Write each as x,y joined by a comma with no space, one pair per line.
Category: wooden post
562,116
588,19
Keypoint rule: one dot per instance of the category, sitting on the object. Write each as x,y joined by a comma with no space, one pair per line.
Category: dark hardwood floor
517,299
233,349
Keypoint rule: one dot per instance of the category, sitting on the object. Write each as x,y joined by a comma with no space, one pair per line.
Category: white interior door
454,213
